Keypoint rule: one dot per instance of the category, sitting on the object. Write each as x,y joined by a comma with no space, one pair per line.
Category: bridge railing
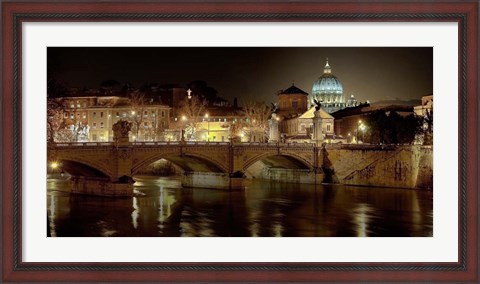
78,144
175,143
260,144
190,143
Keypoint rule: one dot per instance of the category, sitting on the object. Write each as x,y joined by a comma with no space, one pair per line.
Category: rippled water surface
162,208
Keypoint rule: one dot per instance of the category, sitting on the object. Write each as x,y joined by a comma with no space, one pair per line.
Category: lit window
71,116
84,115
101,124
65,115
145,113
94,125
124,114
118,114
72,106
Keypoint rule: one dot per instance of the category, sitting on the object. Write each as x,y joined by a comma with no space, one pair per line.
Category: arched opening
75,168
280,168
180,163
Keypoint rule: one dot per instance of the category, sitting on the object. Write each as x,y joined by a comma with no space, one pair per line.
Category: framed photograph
222,141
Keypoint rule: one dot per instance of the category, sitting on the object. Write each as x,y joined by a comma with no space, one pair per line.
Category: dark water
162,208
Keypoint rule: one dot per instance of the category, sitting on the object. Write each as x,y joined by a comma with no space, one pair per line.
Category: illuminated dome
328,90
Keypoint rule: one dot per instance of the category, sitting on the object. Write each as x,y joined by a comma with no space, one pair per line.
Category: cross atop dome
327,69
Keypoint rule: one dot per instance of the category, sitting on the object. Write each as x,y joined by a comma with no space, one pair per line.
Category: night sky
369,73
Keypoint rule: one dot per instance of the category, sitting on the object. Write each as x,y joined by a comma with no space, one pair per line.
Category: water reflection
161,207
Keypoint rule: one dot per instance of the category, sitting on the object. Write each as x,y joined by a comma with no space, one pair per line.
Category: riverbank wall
364,165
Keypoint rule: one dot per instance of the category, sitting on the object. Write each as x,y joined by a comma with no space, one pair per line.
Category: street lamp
208,123
184,119
356,133
363,127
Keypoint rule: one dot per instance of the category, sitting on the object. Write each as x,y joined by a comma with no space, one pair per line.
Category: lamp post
356,133
362,127
208,126
184,119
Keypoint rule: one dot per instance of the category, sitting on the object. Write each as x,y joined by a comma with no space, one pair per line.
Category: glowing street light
54,165
358,125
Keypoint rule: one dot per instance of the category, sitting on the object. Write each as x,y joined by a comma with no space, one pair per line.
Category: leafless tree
257,115
192,111
137,104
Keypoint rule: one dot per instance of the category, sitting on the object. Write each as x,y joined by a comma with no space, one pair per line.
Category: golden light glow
184,117
359,121
54,165
206,115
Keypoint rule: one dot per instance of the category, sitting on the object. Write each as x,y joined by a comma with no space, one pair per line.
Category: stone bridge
205,164
107,169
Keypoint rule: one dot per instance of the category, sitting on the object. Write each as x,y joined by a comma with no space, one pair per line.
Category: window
223,138
145,113
94,114
163,123
84,114
101,114
94,137
101,124
118,114
145,124
94,125
163,113
71,116
124,114
294,104
65,115
328,127
214,137
302,127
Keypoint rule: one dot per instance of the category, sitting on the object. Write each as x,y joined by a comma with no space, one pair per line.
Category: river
162,208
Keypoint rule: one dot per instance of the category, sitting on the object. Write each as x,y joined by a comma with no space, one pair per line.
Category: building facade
91,118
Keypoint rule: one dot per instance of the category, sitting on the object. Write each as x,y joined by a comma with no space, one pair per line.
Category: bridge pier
100,187
212,180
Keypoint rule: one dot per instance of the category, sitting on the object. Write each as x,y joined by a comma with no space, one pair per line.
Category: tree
191,113
392,129
54,119
257,115
428,127
137,105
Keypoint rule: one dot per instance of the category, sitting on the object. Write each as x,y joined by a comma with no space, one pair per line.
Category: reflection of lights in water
361,217
277,230
135,212
52,216
160,215
105,231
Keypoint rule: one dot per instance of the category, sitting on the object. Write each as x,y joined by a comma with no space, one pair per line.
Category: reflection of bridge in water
106,169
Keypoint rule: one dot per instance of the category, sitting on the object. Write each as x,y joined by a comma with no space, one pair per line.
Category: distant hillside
415,102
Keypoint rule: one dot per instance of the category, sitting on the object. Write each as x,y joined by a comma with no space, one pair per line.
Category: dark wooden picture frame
15,13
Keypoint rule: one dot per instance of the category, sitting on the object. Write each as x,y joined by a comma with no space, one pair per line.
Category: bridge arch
301,161
82,167
187,161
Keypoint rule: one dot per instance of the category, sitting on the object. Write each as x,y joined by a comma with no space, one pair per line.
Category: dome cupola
328,90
